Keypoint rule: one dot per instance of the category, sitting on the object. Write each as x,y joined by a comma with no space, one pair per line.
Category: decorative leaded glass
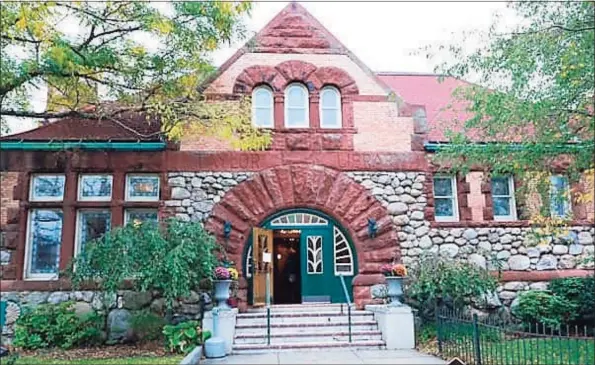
92,225
47,187
299,219
141,215
45,237
314,252
95,187
343,254
142,187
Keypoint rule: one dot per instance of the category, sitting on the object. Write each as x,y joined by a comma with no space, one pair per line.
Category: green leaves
56,325
536,85
171,259
184,337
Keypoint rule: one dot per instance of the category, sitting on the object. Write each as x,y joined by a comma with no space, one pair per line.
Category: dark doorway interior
287,278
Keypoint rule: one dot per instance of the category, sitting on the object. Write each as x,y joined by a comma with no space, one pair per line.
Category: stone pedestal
396,325
226,328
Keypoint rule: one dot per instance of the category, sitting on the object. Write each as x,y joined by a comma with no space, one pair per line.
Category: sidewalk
343,356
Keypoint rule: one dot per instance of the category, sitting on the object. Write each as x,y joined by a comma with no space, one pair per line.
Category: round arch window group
297,107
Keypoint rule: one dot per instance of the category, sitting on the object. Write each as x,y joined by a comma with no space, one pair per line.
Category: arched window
262,107
296,106
330,108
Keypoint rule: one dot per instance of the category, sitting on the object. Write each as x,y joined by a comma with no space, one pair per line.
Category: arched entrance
310,253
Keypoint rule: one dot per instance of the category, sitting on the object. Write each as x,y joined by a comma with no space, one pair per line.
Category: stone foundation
122,306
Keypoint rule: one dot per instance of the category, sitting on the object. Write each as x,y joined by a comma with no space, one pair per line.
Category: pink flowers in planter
222,273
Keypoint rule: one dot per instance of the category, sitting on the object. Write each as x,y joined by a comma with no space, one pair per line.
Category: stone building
344,188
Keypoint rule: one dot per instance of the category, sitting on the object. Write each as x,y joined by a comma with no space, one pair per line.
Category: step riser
325,313
277,348
279,340
301,309
304,320
303,329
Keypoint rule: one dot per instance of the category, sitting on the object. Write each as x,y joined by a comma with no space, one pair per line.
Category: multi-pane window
47,187
330,108
503,198
95,187
43,243
140,216
296,106
445,199
560,196
262,107
91,225
142,187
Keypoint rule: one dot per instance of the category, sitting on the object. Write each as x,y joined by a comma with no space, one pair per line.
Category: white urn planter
395,290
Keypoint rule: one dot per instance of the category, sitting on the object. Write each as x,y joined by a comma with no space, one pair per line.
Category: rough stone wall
193,194
224,83
121,307
8,180
404,197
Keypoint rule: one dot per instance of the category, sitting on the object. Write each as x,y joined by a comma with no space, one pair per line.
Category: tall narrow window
44,238
330,108
445,199
560,196
262,107
91,225
296,106
503,198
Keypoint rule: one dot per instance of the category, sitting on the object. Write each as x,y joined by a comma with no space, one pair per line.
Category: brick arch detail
332,192
279,76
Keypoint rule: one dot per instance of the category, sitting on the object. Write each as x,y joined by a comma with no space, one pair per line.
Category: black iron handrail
349,304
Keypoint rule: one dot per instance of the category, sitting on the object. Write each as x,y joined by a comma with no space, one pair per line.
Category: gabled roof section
443,110
295,30
129,126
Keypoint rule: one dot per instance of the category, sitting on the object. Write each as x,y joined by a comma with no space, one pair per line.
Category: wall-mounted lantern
372,227
226,229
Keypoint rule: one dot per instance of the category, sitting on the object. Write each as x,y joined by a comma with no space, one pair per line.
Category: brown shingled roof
130,126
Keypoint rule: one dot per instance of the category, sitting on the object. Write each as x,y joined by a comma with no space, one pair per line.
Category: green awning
87,146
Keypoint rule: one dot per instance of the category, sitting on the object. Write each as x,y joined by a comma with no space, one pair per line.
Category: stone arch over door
320,188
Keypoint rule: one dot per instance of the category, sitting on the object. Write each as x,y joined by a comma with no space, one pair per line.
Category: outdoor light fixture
372,227
226,229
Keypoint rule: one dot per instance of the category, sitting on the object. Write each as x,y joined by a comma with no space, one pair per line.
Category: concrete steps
305,326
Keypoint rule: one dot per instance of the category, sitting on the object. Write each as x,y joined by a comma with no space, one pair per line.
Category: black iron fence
488,341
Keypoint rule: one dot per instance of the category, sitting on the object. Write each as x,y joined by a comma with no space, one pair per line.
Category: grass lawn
498,349
141,360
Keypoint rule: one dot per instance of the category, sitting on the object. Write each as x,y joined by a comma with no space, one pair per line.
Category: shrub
580,292
538,306
57,325
438,280
186,254
184,337
147,326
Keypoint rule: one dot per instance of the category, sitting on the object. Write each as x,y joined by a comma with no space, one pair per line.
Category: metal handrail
348,302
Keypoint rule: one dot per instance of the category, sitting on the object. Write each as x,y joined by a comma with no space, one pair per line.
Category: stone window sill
504,224
315,130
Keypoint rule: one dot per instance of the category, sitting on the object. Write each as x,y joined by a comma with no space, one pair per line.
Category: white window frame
306,107
142,198
79,222
95,198
127,213
511,202
270,107
28,249
455,201
34,198
337,94
567,201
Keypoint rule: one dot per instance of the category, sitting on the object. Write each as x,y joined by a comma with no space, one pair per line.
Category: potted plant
223,278
395,274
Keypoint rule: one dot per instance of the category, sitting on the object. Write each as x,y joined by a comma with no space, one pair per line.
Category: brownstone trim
546,275
496,224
